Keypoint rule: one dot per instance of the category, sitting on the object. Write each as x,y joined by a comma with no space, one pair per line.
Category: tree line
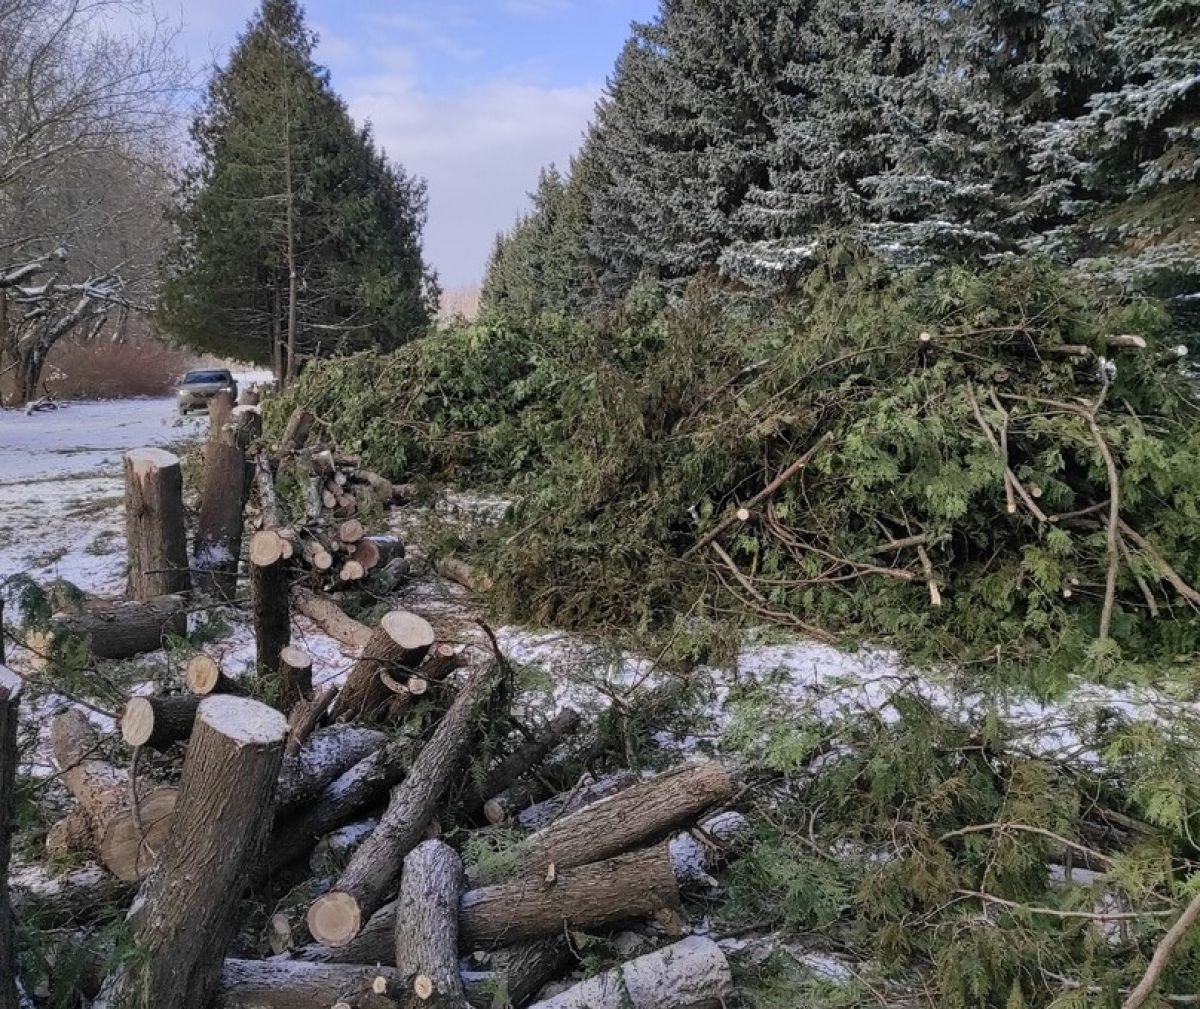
736,136
282,233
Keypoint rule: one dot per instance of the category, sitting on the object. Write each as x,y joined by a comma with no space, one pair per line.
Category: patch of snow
243,720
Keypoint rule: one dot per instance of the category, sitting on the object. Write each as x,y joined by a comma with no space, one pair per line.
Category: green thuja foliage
626,441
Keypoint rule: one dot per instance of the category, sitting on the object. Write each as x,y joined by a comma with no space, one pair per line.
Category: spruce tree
297,237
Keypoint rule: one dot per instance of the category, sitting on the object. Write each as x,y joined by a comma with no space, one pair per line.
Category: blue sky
475,95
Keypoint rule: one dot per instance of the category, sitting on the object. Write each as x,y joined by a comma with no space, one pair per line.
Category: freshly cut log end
411,633
158,722
400,642
295,675
352,571
351,531
423,987
267,547
334,919
130,843
203,676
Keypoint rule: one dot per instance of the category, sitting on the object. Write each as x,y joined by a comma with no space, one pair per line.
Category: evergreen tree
297,237
1138,150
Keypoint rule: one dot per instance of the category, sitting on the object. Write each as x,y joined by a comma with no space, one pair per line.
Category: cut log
295,434
10,692
157,544
522,760
426,954
440,663
291,984
691,974
67,900
71,834
269,589
203,676
218,543
220,407
326,756
382,488
351,531
586,792
189,909
398,645
158,722
126,841
465,574
379,551
631,817
295,676
118,628
352,571
316,556
331,618
249,397
363,887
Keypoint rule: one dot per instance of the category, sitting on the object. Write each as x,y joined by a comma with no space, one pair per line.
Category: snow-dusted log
362,889
69,899
520,761
203,676
10,693
628,818
325,757
124,840
466,575
397,645
158,564
188,910
426,949
331,618
512,803
291,984
158,722
691,974
116,628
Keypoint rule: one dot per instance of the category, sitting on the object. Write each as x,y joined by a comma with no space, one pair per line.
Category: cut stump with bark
115,628
398,644
158,722
218,542
188,910
269,591
295,676
202,676
154,528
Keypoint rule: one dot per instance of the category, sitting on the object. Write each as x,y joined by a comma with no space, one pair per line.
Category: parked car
196,388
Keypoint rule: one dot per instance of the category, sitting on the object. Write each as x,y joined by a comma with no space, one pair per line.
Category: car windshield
199,377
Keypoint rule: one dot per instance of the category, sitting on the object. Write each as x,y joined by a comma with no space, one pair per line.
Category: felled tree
297,237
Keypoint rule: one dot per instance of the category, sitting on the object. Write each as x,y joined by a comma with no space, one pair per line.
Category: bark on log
203,676
466,575
331,618
158,722
124,840
187,913
442,660
362,889
65,900
295,676
158,564
295,434
378,551
269,589
249,397
304,717
630,817
522,760
218,543
588,791
220,407
426,950
119,628
398,645
691,974
73,833
290,984
10,692
326,756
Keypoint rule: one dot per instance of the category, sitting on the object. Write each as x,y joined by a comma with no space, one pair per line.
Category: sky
474,96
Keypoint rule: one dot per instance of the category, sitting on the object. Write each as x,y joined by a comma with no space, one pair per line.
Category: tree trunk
630,817
295,434
520,762
203,676
361,890
291,984
426,950
118,628
218,544
124,839
326,756
158,563
295,677
330,617
158,722
269,590
398,645
10,691
188,911
220,408
692,974
466,575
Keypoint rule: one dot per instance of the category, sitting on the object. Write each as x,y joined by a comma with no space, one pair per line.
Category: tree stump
218,543
203,676
295,676
188,910
158,722
158,564
10,690
295,434
399,643
426,957
269,589
125,841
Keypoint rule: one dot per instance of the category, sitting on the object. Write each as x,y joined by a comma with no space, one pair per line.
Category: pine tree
1138,150
297,237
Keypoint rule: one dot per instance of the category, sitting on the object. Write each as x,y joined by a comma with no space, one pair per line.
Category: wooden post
692,974
269,589
337,917
398,644
426,957
188,910
10,690
158,564
158,722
